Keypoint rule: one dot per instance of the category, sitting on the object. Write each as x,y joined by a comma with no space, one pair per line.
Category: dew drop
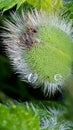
58,77
32,78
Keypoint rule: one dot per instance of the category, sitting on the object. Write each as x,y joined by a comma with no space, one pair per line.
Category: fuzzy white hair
16,28
54,119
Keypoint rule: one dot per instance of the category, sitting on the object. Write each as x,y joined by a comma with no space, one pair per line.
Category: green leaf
50,5
7,4
67,10
20,2
28,116
17,117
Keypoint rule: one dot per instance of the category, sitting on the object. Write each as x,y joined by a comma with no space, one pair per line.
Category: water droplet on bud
32,77
58,77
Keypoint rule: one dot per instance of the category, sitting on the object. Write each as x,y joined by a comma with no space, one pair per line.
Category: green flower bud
41,49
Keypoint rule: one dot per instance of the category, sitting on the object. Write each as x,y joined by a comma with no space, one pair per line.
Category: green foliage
18,118
7,4
40,4
67,11
45,5
36,116
51,5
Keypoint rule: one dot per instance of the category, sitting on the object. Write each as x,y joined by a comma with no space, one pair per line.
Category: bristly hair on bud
40,48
